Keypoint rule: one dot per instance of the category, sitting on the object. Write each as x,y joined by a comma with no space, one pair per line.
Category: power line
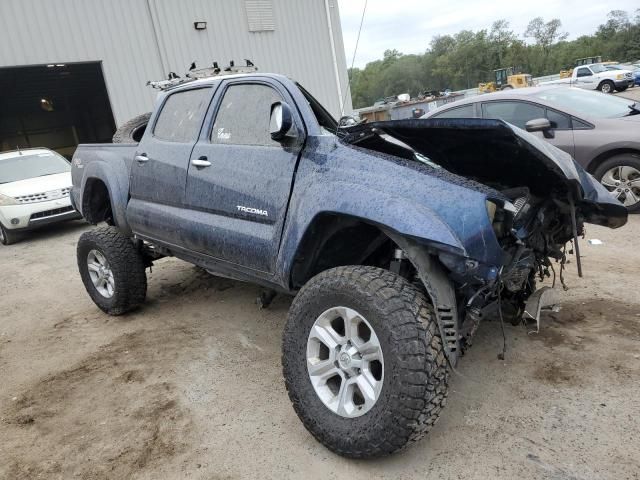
353,59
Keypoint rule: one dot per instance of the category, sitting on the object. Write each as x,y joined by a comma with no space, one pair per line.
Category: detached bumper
30,216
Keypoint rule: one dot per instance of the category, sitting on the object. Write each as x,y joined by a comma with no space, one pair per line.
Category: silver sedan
601,132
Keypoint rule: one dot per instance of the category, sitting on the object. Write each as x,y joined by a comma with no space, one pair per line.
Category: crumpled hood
493,152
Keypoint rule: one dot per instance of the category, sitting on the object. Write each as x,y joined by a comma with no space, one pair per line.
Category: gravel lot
190,385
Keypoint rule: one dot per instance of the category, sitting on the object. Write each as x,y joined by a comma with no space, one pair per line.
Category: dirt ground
190,386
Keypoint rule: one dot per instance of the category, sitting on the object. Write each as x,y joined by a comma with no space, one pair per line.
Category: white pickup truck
597,77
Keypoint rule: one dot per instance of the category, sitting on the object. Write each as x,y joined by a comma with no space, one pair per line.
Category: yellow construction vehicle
506,78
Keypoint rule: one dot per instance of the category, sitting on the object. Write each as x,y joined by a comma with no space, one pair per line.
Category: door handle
141,158
201,162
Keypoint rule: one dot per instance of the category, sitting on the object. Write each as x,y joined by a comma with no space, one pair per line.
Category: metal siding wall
298,47
120,33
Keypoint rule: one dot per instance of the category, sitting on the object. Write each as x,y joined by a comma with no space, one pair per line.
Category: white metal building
71,70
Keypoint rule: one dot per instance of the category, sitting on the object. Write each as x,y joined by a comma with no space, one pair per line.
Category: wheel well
336,240
595,162
96,204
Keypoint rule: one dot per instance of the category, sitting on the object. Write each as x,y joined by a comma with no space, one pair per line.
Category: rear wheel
112,270
7,237
363,361
620,175
607,87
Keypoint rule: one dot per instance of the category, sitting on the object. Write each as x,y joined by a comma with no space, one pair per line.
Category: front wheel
607,87
363,362
112,270
7,237
620,175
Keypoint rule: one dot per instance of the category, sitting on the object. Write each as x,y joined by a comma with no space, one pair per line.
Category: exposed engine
534,233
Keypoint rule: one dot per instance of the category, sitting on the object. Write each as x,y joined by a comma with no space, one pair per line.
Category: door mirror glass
281,120
540,125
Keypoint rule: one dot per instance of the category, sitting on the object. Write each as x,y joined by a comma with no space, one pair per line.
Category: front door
239,179
159,169
518,113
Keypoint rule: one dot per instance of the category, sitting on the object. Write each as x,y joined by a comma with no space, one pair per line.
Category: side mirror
281,120
347,121
540,125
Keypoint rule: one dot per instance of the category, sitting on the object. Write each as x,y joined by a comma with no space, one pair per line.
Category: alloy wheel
345,362
100,273
623,182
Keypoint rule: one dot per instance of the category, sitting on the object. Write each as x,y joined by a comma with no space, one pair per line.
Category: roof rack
194,73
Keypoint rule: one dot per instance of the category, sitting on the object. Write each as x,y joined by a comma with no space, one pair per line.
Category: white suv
34,191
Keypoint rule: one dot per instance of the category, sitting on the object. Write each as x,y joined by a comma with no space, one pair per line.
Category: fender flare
118,193
439,288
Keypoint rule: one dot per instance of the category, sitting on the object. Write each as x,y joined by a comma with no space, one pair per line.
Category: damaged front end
537,202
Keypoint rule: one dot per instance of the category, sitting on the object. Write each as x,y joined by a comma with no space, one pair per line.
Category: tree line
463,60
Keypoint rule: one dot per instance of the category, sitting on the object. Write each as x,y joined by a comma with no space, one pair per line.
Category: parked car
396,237
596,77
599,131
634,69
34,191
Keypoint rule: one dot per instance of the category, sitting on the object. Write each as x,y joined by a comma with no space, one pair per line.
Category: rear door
159,169
518,113
239,179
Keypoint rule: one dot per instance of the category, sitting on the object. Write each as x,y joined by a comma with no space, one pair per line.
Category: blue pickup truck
397,238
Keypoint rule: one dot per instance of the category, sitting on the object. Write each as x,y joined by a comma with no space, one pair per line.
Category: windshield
597,68
31,165
592,104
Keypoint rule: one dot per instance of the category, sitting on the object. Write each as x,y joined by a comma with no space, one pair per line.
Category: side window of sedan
559,120
516,113
465,111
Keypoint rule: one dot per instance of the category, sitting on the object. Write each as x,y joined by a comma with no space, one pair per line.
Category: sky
409,25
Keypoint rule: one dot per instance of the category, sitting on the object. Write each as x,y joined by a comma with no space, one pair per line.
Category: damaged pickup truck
397,238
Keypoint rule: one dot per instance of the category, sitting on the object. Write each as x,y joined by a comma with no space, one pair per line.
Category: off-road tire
127,265
609,83
624,159
8,237
132,131
415,380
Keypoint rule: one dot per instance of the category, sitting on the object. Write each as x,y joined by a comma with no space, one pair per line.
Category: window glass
579,124
182,115
466,111
559,120
584,72
516,113
244,115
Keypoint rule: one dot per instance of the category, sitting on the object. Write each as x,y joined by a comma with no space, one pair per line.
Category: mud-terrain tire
8,237
607,86
125,264
414,371
132,131
631,160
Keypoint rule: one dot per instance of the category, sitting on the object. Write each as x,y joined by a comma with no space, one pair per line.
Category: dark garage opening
56,106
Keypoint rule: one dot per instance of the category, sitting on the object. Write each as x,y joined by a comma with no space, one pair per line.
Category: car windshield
592,104
31,165
597,68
